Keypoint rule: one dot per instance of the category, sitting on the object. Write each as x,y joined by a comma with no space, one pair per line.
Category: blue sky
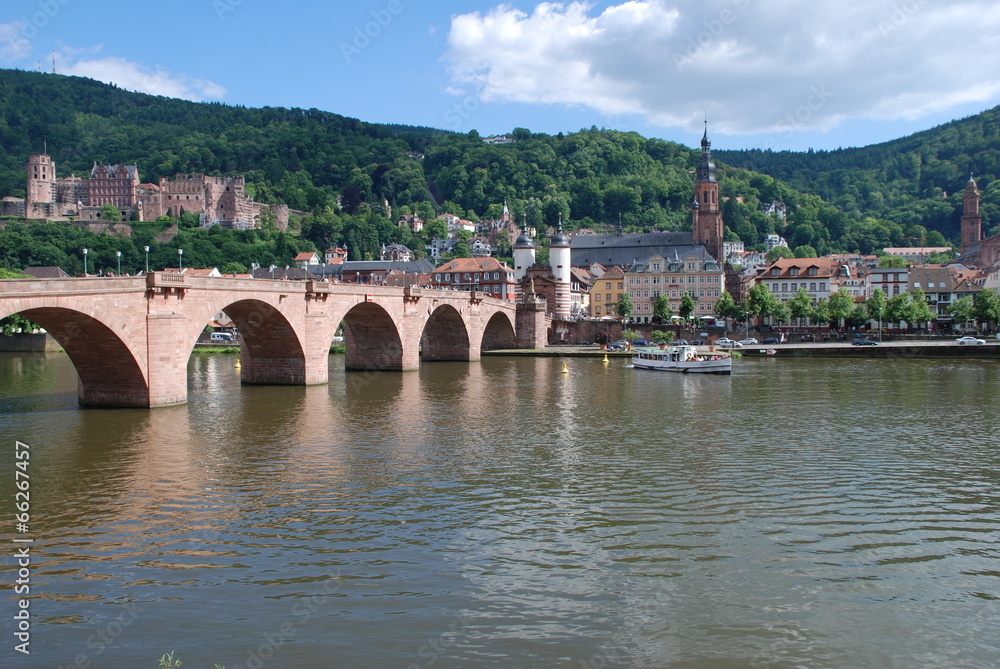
781,74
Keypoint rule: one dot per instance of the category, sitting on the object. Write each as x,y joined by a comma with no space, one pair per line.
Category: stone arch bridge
130,338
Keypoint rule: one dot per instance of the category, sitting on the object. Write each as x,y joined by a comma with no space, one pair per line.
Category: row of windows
640,280
794,271
470,277
645,294
794,287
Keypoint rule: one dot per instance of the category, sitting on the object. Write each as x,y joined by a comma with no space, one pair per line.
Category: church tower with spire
972,219
706,213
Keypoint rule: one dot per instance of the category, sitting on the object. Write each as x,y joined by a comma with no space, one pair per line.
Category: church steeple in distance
706,166
706,214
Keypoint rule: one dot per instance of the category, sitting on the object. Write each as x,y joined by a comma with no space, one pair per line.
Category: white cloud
13,44
755,66
135,77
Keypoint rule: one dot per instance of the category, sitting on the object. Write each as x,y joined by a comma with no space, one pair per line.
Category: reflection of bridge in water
130,338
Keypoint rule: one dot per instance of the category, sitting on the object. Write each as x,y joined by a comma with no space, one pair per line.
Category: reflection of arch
499,333
109,373
272,353
371,339
445,336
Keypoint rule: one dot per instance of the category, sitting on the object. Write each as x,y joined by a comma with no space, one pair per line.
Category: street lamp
180,258
119,254
147,258
85,252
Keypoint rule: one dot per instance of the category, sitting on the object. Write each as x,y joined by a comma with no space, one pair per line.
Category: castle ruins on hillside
217,200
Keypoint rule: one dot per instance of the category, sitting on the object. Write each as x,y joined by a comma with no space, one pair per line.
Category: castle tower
972,219
560,261
524,254
706,214
41,180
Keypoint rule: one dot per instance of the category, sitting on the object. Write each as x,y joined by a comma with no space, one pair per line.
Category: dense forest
904,193
913,181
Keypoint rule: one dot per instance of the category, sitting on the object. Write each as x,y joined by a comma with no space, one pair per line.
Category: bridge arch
500,332
445,336
110,371
270,350
372,340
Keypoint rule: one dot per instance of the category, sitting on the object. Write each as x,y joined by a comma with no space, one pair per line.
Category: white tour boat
685,359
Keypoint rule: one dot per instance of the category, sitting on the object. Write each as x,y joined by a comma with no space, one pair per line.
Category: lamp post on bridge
119,254
180,258
85,252
147,258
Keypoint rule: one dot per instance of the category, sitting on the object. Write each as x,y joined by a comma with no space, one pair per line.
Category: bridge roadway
130,337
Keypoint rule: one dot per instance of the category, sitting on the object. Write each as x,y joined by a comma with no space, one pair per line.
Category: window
813,271
621,285
691,266
784,287
447,277
656,267
793,271
775,271
916,284
812,286
597,298
822,286
631,280
690,279
656,281
608,297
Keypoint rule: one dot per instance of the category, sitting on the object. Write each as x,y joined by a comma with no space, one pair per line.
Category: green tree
779,252
800,305
876,307
858,316
897,309
631,336
661,308
687,307
109,212
888,262
920,311
987,307
782,312
726,307
805,251
840,305
624,306
435,228
962,310
761,301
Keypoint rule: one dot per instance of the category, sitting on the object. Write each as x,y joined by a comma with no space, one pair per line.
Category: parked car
222,338
969,340
770,340
583,343
640,342
749,341
726,342
864,341
679,342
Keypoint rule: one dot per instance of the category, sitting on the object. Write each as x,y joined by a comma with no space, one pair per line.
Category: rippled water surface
801,513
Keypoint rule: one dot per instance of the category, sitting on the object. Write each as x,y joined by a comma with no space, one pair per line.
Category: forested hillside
307,158
915,180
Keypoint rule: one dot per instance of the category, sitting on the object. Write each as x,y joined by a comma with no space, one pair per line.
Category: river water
800,513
